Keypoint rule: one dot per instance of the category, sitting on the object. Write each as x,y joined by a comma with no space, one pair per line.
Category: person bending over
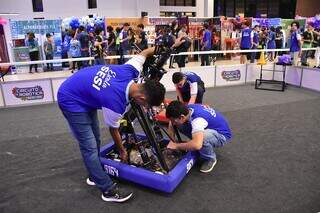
206,128
109,88
189,87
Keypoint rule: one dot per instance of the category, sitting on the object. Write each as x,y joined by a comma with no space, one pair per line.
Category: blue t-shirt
272,40
214,120
192,80
96,87
255,39
294,47
246,38
125,44
207,38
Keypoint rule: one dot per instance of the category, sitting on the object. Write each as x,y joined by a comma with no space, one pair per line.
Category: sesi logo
103,77
111,170
189,165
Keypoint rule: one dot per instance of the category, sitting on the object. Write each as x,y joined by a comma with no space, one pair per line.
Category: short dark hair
205,25
154,91
126,24
175,109
177,77
141,26
81,28
48,35
297,24
98,30
247,23
109,29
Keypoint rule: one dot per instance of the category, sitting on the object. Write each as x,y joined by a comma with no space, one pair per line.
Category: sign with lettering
27,92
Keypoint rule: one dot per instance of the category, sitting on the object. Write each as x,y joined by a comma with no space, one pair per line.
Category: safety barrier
39,91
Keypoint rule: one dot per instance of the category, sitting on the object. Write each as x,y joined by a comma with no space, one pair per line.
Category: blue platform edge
162,182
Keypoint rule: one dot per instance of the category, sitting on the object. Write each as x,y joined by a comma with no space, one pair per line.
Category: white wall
66,8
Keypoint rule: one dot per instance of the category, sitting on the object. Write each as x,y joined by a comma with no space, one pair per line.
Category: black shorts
245,49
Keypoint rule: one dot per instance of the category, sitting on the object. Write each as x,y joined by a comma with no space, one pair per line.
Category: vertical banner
1,99
56,83
227,75
27,92
311,79
253,72
207,74
293,75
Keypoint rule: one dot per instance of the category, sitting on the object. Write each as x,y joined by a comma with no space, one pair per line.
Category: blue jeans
85,128
212,139
99,61
84,54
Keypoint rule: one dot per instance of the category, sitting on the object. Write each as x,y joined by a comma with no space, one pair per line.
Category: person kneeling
189,87
206,128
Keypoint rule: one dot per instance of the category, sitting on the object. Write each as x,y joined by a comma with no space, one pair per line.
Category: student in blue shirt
271,42
189,87
255,42
295,42
206,128
108,88
246,42
206,44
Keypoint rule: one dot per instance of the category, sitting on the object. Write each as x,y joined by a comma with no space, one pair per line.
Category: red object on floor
161,117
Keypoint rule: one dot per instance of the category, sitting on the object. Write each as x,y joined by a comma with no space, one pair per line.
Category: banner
1,99
118,22
293,75
266,22
311,79
207,74
27,92
230,75
40,28
56,83
161,21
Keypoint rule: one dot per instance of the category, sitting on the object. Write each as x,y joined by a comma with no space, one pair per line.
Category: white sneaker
90,183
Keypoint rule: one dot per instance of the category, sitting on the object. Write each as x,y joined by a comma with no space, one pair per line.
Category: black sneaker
116,195
208,165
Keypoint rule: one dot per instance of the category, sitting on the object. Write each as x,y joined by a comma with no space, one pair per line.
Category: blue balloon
74,23
99,23
90,29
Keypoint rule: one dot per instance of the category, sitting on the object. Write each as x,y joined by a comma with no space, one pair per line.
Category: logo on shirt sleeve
103,78
210,110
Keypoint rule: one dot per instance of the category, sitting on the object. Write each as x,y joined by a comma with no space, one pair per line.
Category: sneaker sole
90,183
116,200
209,170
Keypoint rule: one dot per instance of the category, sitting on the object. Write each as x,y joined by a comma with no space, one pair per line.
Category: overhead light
9,14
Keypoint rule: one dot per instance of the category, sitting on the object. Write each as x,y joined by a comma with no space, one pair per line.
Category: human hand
172,145
123,155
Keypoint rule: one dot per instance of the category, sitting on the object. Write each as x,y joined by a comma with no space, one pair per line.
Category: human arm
193,92
118,141
192,145
112,119
198,128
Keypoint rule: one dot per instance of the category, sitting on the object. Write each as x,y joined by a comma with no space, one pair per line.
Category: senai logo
233,75
111,170
189,165
28,93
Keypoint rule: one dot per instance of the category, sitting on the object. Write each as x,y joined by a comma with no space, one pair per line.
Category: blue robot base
165,182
